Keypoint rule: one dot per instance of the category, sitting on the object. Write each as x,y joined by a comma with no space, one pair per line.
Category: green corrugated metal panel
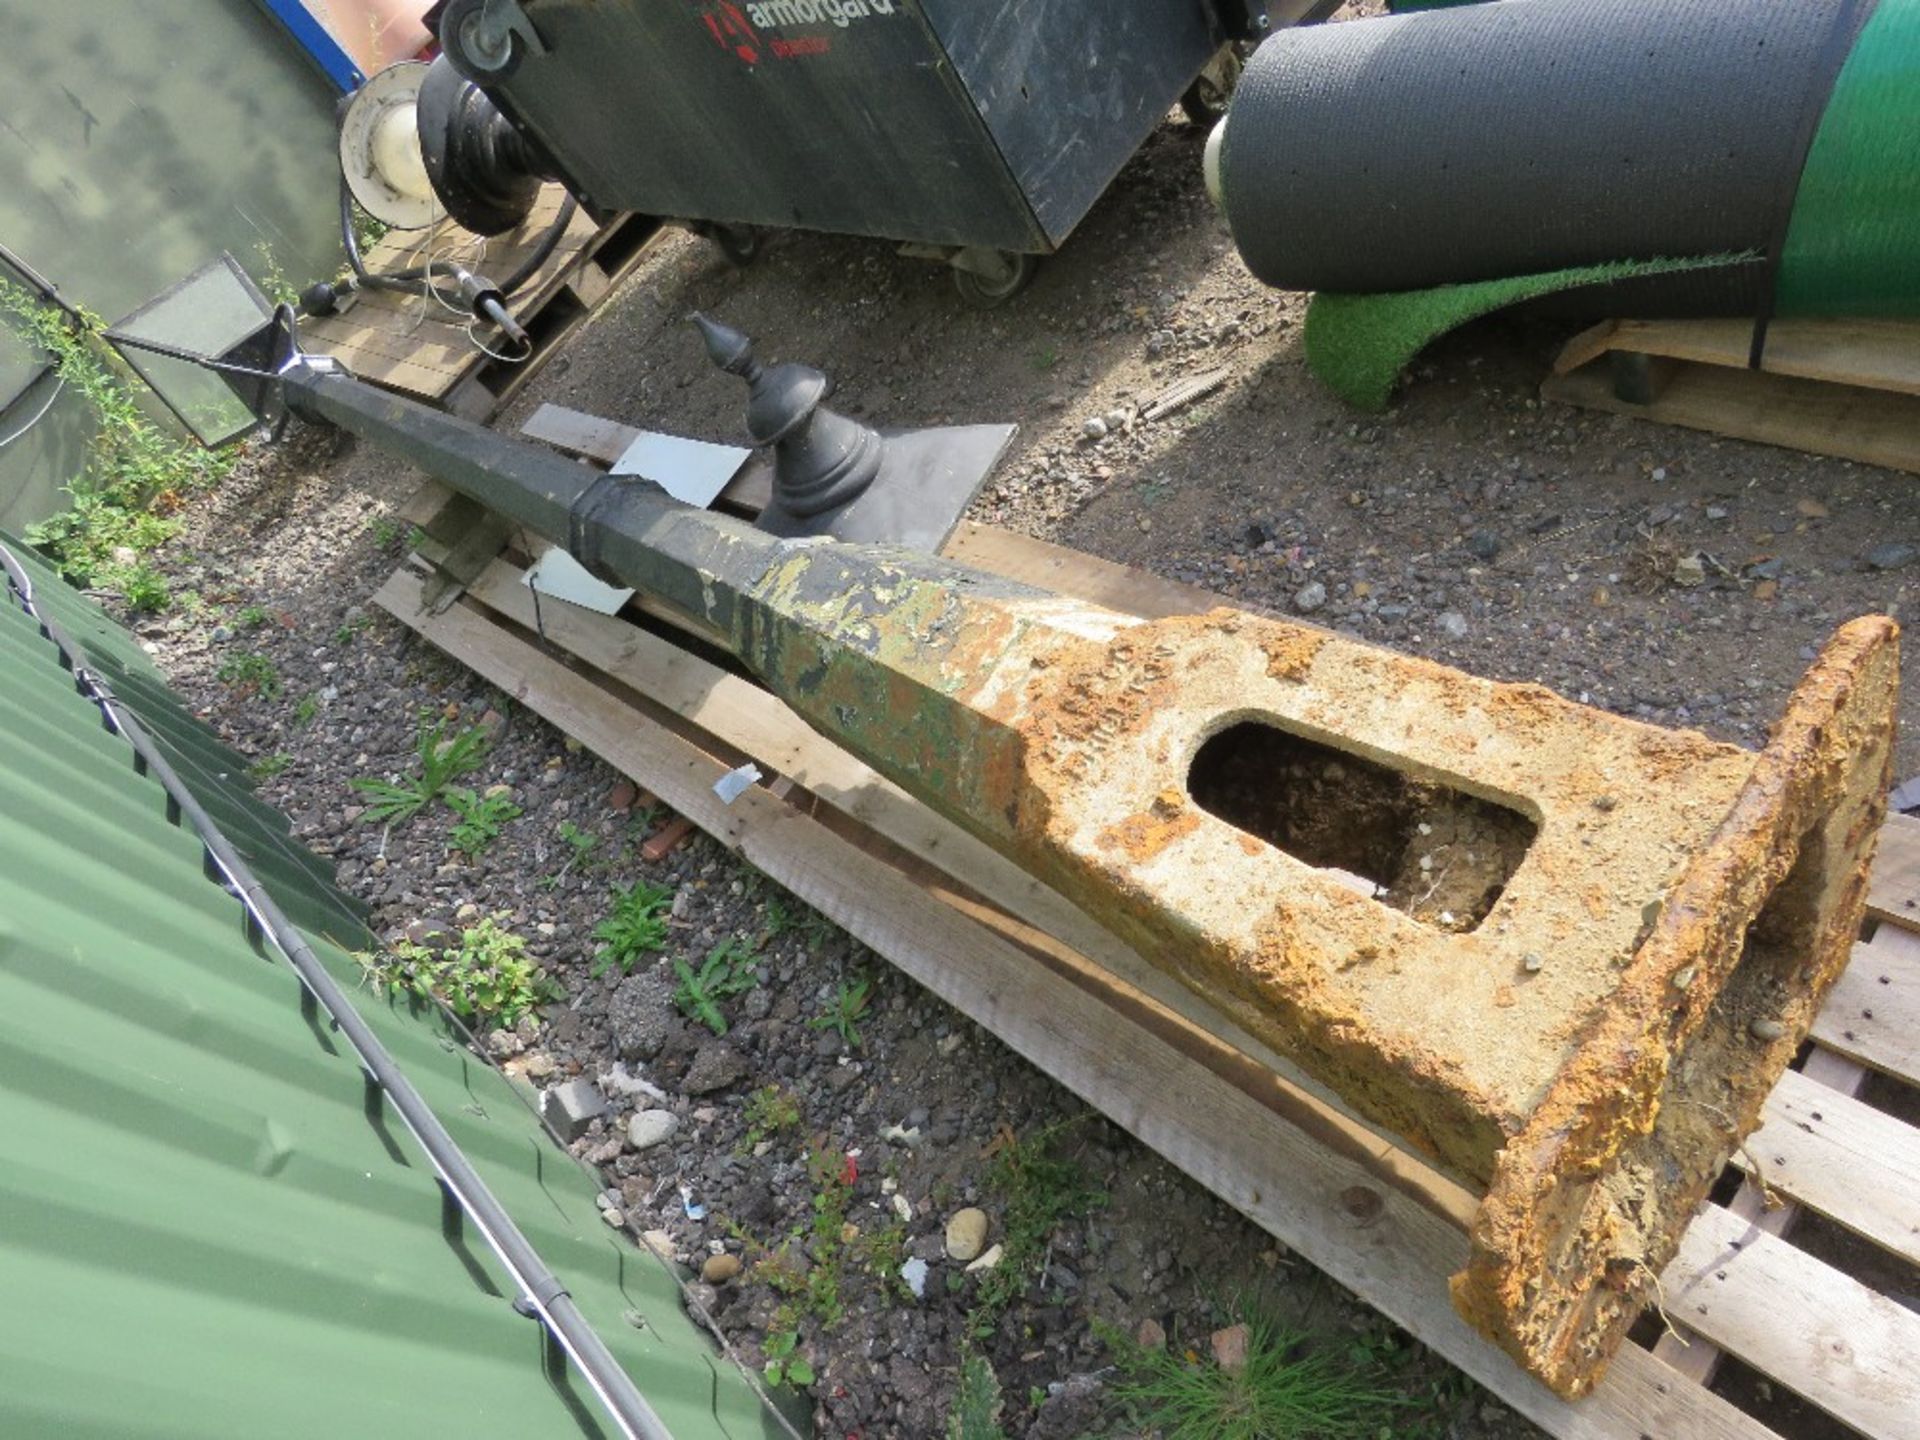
216,774
201,1232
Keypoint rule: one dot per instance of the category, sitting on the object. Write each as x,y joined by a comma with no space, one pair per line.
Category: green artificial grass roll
1359,344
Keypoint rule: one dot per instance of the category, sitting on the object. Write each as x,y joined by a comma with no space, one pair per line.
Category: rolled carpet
1653,157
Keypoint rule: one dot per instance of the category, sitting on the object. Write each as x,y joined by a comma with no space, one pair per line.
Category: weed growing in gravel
137,474
349,629
388,532
845,1011
251,617
811,1293
727,971
771,1110
580,847
1287,1390
976,1402
637,926
480,819
486,979
442,761
269,766
250,673
304,712
145,590
1039,1191
786,915
783,1365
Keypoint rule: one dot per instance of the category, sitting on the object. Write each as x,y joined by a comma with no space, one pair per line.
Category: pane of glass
208,313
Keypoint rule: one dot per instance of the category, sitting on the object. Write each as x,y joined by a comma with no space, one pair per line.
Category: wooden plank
1894,894
579,433
1759,1204
411,344
1858,1166
1873,1012
1386,1247
1586,347
1822,1334
1083,576
1874,354
1872,426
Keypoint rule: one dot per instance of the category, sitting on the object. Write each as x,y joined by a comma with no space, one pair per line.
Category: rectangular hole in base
1438,854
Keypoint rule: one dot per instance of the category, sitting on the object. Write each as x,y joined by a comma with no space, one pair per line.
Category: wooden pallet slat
414,345
1854,1164
1822,1334
1872,1013
1848,388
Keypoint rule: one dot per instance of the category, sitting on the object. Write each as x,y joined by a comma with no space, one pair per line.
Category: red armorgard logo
731,30
737,26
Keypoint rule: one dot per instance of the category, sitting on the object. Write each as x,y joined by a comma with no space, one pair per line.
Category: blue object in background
311,36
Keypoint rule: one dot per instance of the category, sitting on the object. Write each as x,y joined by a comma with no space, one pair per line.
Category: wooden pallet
1849,388
417,347
1058,989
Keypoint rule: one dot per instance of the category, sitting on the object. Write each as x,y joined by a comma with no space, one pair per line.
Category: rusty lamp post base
1565,954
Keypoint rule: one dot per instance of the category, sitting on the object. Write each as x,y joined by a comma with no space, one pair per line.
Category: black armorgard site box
966,123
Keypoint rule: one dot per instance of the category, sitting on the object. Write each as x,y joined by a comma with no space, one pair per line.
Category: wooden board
1844,388
418,347
1872,354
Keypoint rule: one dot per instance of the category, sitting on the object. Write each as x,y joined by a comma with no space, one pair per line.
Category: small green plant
144,589
443,760
637,926
786,915
976,1401
304,712
486,979
1045,358
785,1366
136,473
727,971
1286,1390
1039,1190
386,530
274,281
269,766
252,617
480,819
771,1110
580,847
350,628
845,1011
250,673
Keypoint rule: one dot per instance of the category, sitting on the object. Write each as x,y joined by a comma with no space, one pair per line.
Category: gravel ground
1655,572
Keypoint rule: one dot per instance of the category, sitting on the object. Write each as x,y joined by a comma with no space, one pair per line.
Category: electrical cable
59,384
415,279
